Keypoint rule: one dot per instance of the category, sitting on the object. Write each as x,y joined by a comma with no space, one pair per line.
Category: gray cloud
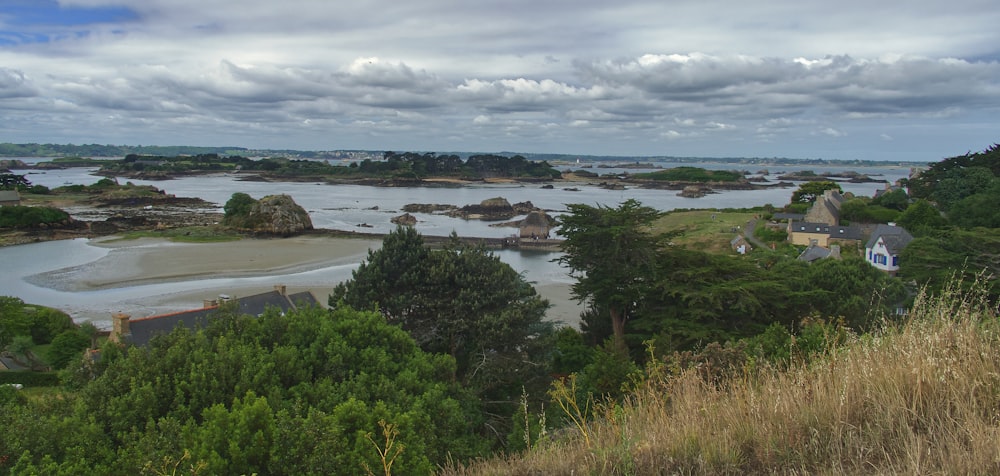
636,77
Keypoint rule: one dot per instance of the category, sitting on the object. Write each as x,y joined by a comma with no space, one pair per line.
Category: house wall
879,257
826,209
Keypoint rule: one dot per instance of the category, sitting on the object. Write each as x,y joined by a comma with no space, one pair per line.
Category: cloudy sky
913,80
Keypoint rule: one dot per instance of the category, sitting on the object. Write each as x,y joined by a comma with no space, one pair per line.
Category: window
895,260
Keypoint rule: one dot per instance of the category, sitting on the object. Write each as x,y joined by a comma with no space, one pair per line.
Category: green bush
27,217
692,174
30,379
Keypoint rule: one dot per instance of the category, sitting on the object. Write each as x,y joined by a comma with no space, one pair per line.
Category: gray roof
813,253
895,238
142,330
9,196
849,232
788,216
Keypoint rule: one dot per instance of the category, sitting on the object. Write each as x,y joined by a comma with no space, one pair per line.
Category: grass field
705,230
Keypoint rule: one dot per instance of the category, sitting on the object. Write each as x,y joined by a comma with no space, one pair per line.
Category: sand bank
138,269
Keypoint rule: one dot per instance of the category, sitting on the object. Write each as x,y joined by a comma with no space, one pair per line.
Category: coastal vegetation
691,174
913,397
399,166
687,360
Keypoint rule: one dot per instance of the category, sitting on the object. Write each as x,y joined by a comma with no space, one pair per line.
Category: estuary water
357,208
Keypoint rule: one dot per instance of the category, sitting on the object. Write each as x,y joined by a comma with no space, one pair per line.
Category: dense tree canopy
613,254
464,302
278,394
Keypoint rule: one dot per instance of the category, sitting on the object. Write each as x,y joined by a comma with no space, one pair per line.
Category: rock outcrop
490,209
405,219
278,215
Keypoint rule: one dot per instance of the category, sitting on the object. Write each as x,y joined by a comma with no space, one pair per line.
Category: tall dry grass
921,397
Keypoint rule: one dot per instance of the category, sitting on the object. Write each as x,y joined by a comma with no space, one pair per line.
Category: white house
885,245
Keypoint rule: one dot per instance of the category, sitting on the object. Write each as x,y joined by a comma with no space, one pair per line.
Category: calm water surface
346,207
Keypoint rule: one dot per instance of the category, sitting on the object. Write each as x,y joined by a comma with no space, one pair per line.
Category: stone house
826,209
140,331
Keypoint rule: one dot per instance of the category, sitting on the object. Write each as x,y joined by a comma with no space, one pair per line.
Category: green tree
808,192
67,346
9,181
921,218
959,183
894,199
462,301
612,251
977,210
237,209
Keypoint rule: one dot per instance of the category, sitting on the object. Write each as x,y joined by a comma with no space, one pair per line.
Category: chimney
282,289
119,327
207,303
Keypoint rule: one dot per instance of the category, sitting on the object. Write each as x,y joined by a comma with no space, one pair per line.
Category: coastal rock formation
490,209
405,219
692,191
279,215
427,208
536,225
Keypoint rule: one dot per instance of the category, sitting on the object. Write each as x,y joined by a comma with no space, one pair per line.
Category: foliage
66,346
613,255
691,174
700,297
461,301
893,199
940,257
30,379
808,192
928,183
863,210
9,181
978,209
277,394
921,218
20,216
38,322
903,390
237,209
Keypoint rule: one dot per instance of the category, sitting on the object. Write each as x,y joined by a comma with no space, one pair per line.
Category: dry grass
919,398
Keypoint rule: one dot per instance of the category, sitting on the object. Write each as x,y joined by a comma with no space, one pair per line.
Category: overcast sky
900,80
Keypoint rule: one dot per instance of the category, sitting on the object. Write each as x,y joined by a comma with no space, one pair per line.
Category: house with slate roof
816,253
806,233
140,331
883,248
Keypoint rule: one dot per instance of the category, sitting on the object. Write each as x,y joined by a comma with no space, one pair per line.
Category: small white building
885,245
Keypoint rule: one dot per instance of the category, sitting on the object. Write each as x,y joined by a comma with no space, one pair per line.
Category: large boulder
490,209
405,219
278,215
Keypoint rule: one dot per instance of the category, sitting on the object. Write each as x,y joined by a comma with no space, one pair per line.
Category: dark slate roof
895,238
143,329
835,231
813,253
788,216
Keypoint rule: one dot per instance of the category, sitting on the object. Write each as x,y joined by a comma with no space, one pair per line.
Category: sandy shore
133,263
